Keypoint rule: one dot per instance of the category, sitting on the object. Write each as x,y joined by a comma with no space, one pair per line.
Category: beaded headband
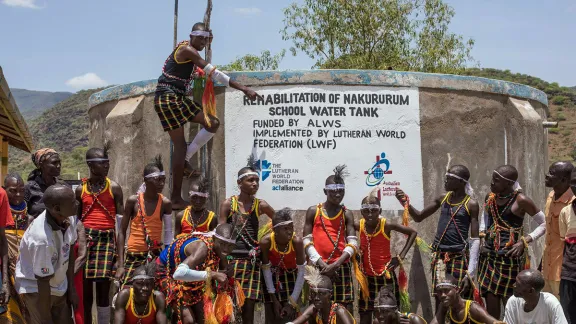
468,189
200,33
199,194
283,223
386,306
320,289
446,284
240,177
335,186
370,206
97,160
155,174
143,277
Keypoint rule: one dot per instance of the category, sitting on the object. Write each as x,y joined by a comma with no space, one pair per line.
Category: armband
184,273
541,229
168,230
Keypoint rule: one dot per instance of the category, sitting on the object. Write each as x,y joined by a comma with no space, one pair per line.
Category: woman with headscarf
47,162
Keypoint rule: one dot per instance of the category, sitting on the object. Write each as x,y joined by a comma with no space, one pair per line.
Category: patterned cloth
249,277
343,285
456,265
497,274
284,286
175,110
375,284
133,261
101,254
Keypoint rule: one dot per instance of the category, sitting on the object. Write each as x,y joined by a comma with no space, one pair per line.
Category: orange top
287,258
554,243
378,244
98,209
325,234
187,224
153,223
133,318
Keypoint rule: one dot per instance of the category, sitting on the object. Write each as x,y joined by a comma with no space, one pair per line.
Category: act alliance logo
265,169
375,174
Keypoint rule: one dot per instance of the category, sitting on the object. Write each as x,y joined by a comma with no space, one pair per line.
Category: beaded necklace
170,76
335,244
140,316
368,248
452,220
281,267
191,218
243,232
20,216
499,223
331,316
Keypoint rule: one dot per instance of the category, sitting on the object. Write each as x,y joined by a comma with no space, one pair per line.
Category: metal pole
173,46
205,166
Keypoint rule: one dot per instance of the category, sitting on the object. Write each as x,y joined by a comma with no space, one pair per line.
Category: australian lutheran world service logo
282,178
376,175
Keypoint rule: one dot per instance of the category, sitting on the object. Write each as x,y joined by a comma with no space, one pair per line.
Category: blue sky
66,45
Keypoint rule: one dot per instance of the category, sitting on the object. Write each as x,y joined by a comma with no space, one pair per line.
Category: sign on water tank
300,134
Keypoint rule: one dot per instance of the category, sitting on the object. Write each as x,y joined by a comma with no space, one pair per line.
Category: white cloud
86,81
248,11
21,3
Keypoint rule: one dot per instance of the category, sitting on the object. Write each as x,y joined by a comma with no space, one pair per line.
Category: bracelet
524,240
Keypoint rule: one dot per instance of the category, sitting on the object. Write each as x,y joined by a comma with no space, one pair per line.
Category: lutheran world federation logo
265,169
375,175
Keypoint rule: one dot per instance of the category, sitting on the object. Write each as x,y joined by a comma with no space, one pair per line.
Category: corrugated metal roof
12,125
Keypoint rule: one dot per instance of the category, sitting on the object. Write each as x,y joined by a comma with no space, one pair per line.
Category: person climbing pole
175,108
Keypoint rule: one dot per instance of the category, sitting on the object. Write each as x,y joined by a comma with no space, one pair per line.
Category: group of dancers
204,266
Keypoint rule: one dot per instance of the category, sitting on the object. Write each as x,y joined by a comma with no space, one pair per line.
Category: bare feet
178,203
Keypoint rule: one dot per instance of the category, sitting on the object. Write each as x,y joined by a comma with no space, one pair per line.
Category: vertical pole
207,16
173,46
4,158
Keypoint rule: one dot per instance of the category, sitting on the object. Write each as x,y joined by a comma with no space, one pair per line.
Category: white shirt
44,252
548,311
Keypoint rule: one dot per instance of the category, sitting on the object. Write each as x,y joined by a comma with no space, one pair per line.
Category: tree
265,62
410,35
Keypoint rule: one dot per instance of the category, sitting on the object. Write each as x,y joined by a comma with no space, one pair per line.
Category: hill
32,103
64,127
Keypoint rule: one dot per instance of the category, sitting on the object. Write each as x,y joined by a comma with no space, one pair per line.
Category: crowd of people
60,248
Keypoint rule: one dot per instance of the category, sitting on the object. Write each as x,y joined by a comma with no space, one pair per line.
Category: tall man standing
501,257
101,205
175,108
558,178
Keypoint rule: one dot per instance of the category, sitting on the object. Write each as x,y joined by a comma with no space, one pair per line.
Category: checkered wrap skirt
175,110
375,284
286,286
101,254
134,260
343,287
498,273
249,277
456,265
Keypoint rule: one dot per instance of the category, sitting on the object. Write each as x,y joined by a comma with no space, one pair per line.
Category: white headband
516,184
322,289
386,306
468,189
335,186
369,206
97,160
283,223
155,174
144,277
199,194
227,240
200,33
240,177
446,284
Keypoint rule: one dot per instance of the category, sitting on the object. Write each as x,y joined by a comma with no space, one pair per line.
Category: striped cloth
249,277
133,261
175,110
101,254
497,274
343,285
375,284
285,287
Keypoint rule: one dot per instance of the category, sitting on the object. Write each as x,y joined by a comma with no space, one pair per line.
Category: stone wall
478,122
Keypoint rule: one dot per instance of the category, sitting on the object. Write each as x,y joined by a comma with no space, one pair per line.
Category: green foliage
560,100
560,117
265,62
64,127
372,34
551,89
553,130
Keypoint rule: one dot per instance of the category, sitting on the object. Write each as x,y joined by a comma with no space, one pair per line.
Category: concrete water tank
391,128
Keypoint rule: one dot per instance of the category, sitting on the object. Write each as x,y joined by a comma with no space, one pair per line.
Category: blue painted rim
345,77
